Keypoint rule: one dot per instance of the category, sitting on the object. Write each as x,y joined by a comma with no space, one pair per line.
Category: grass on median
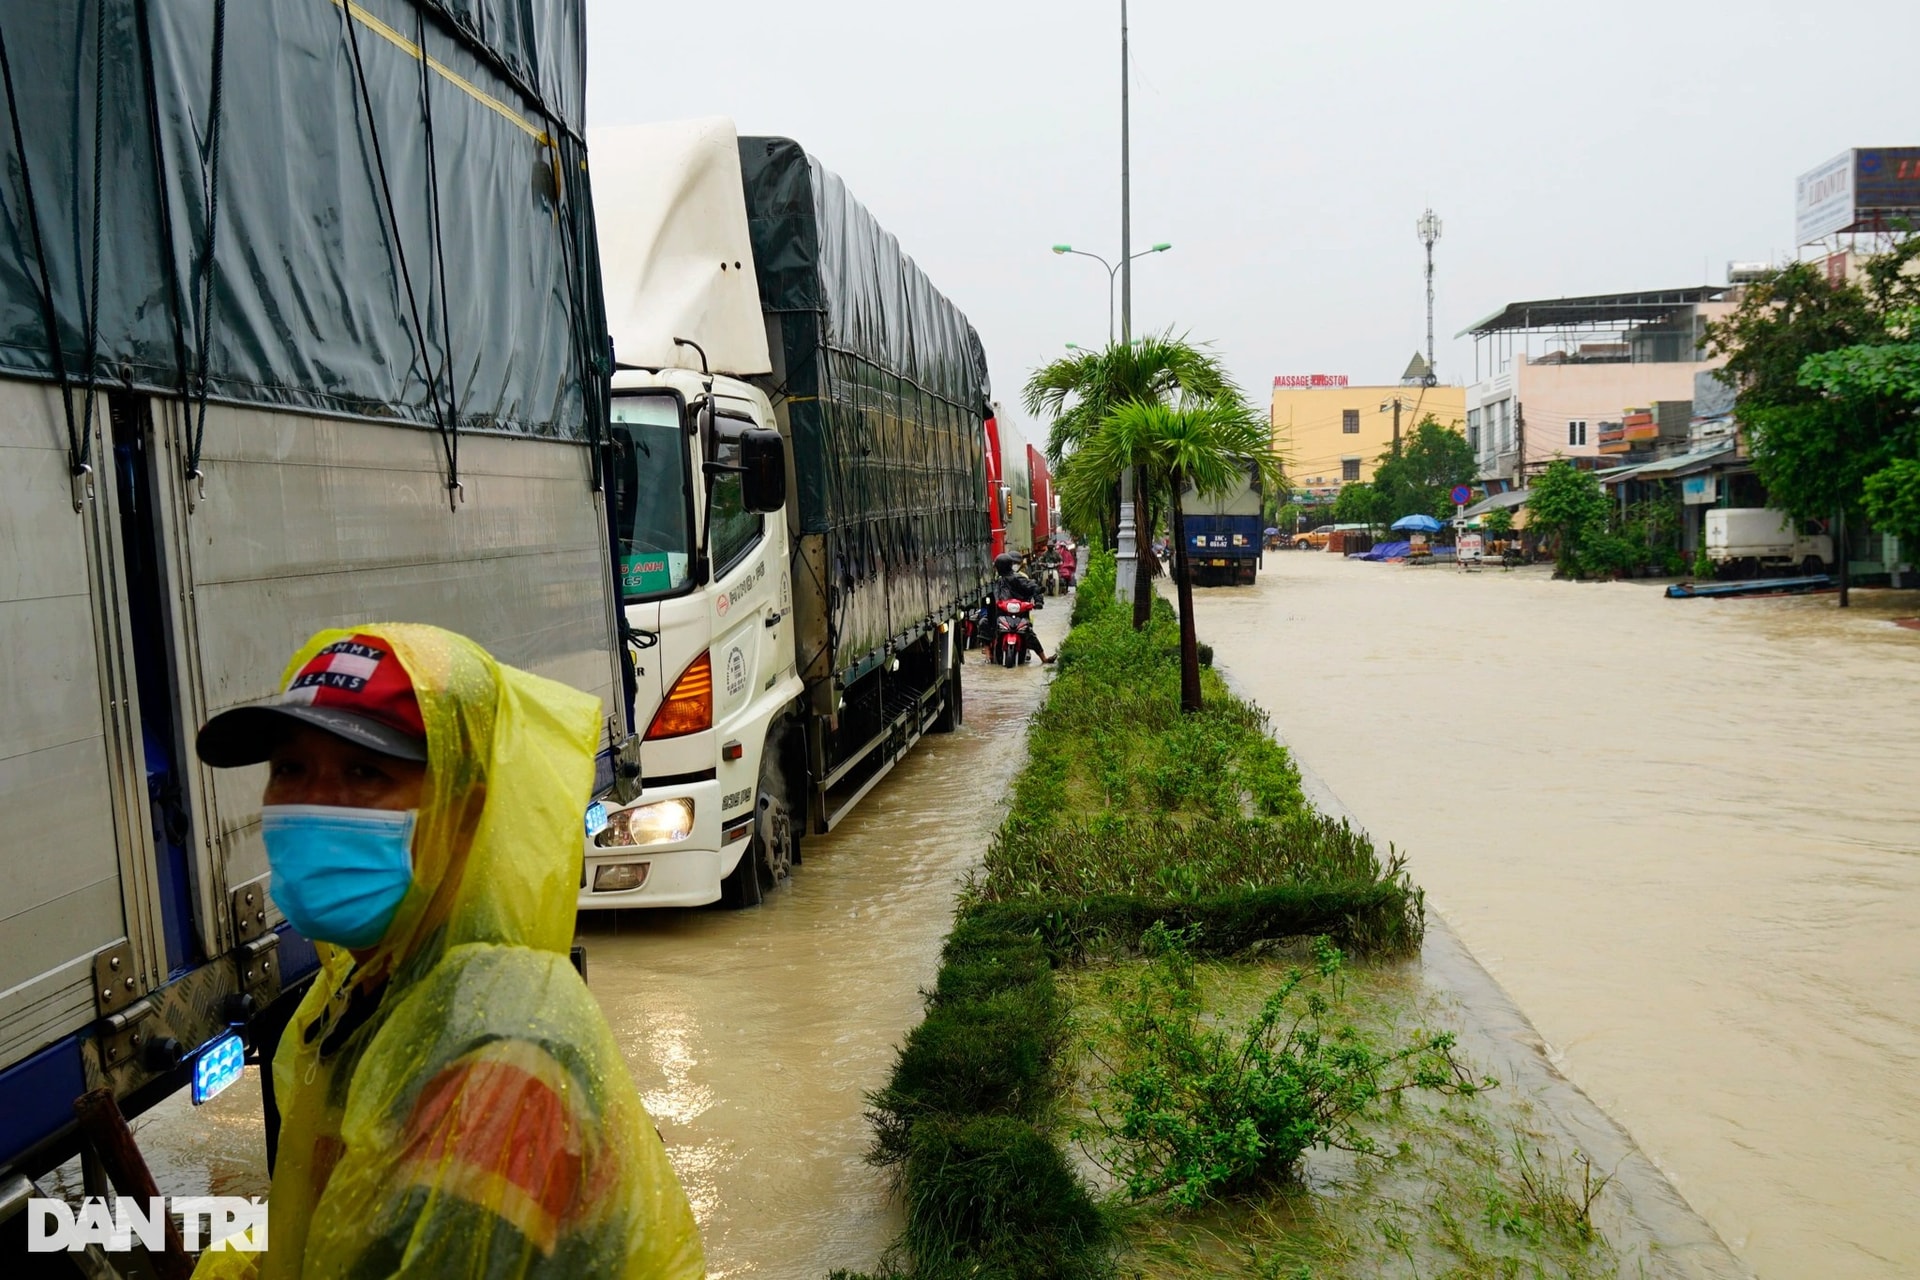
1130,826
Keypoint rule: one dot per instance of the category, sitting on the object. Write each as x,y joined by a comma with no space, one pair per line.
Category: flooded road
754,1036
1683,835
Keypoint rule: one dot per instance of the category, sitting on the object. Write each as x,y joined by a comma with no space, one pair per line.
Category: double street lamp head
1162,247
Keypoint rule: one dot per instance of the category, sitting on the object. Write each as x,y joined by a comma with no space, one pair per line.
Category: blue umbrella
1417,524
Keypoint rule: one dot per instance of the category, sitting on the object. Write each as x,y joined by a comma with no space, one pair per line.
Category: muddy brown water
1684,837
754,1036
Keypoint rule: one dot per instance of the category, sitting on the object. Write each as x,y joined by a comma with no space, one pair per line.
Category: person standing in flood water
453,1103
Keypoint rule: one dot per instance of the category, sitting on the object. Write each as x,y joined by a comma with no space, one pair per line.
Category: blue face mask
339,874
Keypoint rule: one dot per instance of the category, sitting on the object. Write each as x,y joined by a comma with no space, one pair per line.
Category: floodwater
754,1036
1683,835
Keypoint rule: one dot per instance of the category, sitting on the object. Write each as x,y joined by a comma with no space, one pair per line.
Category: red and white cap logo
360,676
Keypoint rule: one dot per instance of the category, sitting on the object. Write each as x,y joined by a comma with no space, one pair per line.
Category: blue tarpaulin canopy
1417,524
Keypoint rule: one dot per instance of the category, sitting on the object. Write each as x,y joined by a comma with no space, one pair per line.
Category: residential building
1331,433
1562,377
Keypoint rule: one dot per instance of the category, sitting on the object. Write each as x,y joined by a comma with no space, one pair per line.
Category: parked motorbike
977,626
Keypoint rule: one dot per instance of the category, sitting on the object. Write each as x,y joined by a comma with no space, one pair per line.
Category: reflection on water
217,1149
1681,834
755,1036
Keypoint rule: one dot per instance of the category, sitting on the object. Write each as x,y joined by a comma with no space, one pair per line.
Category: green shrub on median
1128,818
1191,1109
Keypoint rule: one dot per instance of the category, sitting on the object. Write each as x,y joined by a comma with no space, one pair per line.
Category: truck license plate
218,1066
1218,563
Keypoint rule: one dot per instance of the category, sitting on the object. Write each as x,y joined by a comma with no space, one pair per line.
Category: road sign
1461,495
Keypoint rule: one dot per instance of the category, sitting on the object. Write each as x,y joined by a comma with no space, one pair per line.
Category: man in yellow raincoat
453,1103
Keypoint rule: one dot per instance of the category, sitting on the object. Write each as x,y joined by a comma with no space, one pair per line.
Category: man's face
314,767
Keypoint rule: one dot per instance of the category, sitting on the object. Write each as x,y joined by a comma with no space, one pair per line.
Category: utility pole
1429,229
1841,554
1397,404
1127,559
1519,446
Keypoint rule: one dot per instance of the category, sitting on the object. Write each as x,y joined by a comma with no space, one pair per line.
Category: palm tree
1209,444
1079,392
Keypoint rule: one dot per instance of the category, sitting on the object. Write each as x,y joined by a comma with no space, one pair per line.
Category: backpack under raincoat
453,1104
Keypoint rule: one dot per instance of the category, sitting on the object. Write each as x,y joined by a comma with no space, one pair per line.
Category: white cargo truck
231,429
1759,539
799,493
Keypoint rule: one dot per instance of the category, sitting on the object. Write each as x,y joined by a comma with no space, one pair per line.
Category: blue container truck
1224,534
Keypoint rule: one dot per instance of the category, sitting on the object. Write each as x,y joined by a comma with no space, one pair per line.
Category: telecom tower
1429,229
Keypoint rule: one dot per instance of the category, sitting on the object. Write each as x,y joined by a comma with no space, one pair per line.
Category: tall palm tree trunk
1183,585
1143,539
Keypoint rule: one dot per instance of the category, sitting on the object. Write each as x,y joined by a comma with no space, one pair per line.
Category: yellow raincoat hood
453,1103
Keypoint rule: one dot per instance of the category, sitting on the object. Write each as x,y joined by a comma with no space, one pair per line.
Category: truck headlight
662,822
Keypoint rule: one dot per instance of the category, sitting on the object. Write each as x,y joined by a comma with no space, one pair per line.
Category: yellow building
1331,434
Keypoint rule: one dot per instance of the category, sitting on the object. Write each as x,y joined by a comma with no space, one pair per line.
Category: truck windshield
652,495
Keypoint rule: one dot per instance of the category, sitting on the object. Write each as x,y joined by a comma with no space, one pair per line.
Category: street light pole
1128,550
1112,269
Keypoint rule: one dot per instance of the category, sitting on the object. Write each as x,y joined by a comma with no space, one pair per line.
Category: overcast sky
1286,150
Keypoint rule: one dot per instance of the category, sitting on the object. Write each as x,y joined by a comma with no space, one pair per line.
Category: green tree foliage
1281,514
1567,506
1782,319
1880,383
1210,445
1421,478
1499,522
1077,393
1359,503
1892,499
1824,389
1646,536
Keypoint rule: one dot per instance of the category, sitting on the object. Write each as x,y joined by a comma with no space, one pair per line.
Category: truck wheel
1813,566
774,846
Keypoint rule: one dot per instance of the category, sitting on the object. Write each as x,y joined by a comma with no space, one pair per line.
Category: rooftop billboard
1863,189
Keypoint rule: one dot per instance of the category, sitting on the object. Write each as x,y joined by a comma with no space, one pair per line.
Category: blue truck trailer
1223,533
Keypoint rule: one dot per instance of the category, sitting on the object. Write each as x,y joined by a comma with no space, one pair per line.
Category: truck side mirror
763,470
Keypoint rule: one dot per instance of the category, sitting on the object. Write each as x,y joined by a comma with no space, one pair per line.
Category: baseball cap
355,689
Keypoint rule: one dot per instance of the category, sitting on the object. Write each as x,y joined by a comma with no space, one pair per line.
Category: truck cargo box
299,328
885,389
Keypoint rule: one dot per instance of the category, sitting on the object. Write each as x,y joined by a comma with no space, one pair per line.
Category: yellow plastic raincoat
453,1103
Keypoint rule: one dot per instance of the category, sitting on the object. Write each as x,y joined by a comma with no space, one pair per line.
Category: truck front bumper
676,873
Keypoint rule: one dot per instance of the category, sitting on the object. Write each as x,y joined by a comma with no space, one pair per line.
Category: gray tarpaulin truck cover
296,206
887,392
